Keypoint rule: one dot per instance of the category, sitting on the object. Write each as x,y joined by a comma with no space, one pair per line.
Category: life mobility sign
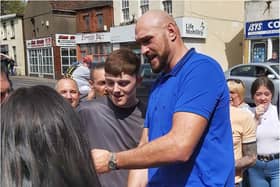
263,29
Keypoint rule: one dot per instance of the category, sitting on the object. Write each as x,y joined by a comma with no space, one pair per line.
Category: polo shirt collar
181,63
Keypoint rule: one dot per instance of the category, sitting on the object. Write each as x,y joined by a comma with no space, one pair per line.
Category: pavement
39,79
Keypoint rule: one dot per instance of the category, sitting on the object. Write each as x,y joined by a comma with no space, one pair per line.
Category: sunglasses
238,81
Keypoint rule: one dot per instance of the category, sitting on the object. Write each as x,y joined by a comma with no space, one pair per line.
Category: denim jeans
264,174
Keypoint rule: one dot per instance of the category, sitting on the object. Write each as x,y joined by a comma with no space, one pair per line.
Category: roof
10,16
94,4
78,5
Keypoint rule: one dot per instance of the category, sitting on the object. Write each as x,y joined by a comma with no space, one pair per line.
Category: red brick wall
108,19
57,62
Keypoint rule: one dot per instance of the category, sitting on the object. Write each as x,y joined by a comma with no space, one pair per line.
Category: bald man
68,88
187,137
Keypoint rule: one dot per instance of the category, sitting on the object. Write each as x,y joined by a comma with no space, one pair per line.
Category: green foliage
12,7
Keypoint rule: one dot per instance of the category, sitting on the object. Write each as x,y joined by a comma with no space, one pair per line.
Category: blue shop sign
262,29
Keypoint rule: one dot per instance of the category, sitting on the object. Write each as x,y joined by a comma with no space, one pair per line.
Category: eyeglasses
238,81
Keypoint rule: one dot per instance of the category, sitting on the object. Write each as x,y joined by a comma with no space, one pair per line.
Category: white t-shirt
82,75
268,132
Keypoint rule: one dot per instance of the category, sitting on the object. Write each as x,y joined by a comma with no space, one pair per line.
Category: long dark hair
42,143
262,81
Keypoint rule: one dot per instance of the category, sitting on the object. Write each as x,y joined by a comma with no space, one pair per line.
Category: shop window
275,45
40,61
144,6
167,6
68,57
258,52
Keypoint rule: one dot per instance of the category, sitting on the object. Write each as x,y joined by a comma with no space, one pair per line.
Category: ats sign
260,29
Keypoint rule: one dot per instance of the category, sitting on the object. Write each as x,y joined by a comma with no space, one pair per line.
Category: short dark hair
262,81
122,61
94,66
42,143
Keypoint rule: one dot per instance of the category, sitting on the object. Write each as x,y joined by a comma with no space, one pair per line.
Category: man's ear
90,83
172,31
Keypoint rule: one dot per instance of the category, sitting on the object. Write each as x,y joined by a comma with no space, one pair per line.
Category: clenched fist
100,158
260,110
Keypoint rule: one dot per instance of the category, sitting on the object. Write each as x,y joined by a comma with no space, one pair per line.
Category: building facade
94,20
12,40
262,29
49,28
212,27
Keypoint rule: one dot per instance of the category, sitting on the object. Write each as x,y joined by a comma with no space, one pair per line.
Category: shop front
96,44
40,59
66,52
263,37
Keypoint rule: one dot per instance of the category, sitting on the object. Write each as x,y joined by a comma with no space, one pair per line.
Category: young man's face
122,89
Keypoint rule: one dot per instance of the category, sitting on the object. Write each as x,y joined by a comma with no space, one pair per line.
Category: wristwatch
113,162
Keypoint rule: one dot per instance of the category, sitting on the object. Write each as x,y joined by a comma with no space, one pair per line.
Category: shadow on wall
234,50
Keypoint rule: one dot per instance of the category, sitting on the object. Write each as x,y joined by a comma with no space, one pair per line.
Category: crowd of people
196,129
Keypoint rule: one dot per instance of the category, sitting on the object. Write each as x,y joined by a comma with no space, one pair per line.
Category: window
250,71
125,10
100,24
32,20
167,6
68,57
86,22
243,71
144,5
4,31
40,61
12,30
15,53
258,51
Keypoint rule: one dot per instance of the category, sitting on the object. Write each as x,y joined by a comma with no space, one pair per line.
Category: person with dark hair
116,120
97,81
42,143
265,173
187,136
5,83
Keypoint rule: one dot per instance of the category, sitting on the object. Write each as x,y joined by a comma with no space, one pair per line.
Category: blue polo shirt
197,85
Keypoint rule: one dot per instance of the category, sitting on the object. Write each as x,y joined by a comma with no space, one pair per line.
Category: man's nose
116,88
144,49
68,95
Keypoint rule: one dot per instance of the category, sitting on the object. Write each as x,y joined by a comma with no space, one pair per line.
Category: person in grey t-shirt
115,122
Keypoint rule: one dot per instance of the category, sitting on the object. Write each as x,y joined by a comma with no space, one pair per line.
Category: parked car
249,72
148,78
